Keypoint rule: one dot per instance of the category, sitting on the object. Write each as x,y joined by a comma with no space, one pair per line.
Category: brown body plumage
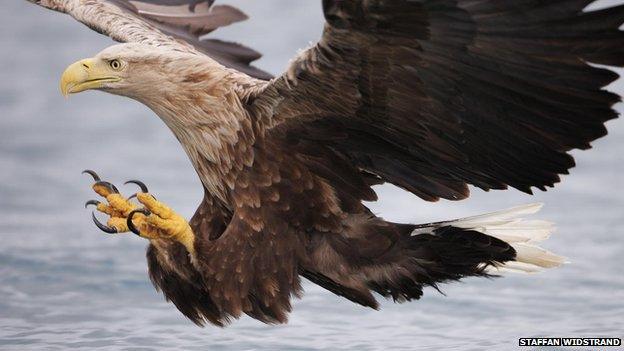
429,95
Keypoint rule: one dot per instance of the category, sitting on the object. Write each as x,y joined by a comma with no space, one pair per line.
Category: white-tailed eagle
429,95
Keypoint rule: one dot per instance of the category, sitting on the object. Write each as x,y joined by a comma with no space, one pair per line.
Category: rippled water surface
65,285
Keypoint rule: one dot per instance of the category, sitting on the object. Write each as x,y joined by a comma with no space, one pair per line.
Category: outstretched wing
178,24
433,95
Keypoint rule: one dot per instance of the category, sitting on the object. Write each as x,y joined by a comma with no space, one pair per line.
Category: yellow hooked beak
87,74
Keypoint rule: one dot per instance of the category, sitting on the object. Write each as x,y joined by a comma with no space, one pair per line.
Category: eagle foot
154,220
116,206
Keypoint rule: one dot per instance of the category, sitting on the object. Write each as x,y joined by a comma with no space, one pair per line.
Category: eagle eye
115,64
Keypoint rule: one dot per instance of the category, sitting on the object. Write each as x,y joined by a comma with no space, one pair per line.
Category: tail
485,245
509,226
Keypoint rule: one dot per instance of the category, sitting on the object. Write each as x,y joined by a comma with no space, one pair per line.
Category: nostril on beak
85,65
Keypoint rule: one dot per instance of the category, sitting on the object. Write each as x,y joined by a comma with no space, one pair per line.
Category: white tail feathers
521,234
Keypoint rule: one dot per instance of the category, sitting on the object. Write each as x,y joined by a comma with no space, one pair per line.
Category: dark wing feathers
435,95
231,51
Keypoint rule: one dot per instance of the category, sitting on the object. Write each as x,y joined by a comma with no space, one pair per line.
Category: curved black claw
92,202
131,226
112,188
104,228
95,176
139,183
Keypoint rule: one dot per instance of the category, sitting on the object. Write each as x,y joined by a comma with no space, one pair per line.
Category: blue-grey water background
64,284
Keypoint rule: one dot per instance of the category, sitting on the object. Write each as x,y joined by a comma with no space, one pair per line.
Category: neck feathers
203,108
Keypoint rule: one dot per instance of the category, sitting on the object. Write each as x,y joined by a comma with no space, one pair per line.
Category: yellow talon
163,223
118,223
104,188
107,210
117,207
120,204
154,206
154,222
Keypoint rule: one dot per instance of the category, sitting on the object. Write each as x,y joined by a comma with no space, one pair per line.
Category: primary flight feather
429,95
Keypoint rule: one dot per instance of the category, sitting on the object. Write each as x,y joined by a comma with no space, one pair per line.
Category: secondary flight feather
431,96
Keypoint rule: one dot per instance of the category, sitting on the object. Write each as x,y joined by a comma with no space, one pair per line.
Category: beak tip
65,87
73,75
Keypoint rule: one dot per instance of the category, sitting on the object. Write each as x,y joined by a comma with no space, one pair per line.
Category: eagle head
132,69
